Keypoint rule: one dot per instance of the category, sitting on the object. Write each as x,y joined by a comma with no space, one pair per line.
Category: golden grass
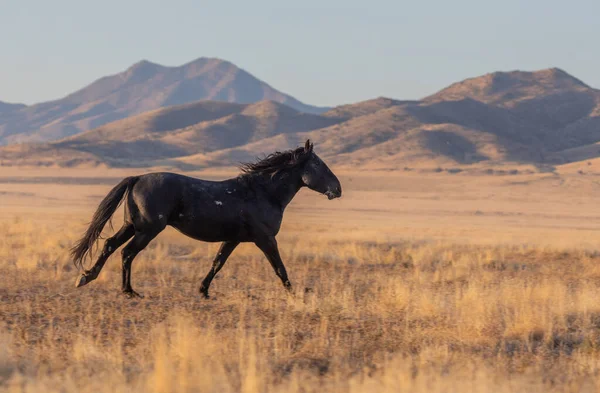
440,283
365,317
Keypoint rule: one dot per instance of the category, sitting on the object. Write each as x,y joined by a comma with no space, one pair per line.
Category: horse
247,208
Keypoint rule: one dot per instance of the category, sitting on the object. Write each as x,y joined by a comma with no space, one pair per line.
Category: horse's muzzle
334,193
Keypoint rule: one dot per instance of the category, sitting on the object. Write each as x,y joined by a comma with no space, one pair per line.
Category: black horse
248,208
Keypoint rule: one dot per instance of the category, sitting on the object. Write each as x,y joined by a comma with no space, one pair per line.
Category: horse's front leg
268,246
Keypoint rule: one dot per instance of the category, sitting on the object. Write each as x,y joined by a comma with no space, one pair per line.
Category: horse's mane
275,162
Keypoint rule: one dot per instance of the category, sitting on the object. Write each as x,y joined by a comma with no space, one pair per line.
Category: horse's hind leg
137,244
110,246
224,252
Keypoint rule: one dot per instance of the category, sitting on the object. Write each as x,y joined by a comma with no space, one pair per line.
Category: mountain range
143,87
539,118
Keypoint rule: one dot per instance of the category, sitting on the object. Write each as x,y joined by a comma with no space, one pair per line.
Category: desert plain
412,281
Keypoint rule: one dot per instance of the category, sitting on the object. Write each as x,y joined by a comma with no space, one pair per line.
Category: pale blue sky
323,52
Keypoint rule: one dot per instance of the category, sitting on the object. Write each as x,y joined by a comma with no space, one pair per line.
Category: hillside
508,119
171,132
538,118
143,87
7,107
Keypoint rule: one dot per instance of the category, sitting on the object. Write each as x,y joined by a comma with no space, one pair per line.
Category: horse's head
317,176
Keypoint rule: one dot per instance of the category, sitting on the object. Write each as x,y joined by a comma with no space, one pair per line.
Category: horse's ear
308,146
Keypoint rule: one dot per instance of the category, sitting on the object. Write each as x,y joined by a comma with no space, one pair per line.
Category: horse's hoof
81,281
204,292
133,294
288,287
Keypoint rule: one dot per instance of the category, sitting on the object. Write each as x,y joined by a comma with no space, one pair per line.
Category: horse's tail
105,210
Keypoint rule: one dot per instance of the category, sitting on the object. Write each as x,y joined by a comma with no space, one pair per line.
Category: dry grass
407,283
365,317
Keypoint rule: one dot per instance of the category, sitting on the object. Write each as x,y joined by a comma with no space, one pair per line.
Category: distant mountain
507,88
555,108
538,119
143,87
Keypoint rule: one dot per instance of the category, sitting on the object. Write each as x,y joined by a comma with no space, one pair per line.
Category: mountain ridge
6,107
489,87
538,119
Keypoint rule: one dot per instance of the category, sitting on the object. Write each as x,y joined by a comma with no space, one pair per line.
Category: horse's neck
284,187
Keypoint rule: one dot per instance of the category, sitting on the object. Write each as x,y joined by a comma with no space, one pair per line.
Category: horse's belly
210,231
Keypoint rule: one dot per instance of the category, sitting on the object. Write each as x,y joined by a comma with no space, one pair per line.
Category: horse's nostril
334,192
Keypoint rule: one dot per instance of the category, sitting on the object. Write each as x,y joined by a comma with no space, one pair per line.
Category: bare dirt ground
410,282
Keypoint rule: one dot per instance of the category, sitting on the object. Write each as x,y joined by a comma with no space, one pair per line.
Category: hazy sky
322,52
